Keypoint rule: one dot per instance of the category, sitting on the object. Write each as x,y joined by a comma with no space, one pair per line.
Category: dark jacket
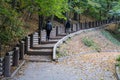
67,24
48,26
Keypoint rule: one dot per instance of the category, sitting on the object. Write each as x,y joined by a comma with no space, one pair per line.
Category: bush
5,37
8,35
61,53
87,42
90,43
118,58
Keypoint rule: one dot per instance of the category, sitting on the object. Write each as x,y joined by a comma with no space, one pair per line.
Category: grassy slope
111,37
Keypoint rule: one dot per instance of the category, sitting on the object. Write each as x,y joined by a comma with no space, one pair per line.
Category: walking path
90,66
76,68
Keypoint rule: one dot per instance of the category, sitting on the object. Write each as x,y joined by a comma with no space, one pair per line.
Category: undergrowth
90,43
118,61
61,53
110,37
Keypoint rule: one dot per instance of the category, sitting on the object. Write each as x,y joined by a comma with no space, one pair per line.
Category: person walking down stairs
48,29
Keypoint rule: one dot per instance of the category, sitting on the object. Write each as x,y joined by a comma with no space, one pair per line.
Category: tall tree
49,8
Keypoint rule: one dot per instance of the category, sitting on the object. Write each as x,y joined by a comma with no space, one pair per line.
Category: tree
10,24
49,8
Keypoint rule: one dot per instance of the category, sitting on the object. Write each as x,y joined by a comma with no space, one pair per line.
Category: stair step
39,58
62,35
44,46
49,42
40,52
56,38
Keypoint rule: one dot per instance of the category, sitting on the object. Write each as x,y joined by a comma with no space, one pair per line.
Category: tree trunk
76,16
79,18
52,18
40,28
100,14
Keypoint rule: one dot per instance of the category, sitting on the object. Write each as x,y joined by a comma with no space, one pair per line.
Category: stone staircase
43,52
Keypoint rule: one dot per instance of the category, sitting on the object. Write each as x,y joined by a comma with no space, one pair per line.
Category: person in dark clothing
48,29
67,27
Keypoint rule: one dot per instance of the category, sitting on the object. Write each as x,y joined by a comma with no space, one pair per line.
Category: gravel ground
94,66
90,66
70,48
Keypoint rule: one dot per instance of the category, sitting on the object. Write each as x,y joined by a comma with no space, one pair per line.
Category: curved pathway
90,66
85,67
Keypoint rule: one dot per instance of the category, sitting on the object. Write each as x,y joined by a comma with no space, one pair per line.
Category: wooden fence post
7,66
81,26
103,22
26,45
86,25
22,51
57,30
95,23
100,23
1,65
16,56
0,47
71,27
92,24
78,25
106,21
89,24
31,41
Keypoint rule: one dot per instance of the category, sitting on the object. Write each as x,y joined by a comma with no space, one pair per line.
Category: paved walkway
48,71
73,68
93,66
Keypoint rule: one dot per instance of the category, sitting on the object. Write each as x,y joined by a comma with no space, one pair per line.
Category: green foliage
110,37
5,37
61,53
90,43
118,64
116,35
52,7
10,24
115,9
99,9
118,61
118,58
8,35
87,41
